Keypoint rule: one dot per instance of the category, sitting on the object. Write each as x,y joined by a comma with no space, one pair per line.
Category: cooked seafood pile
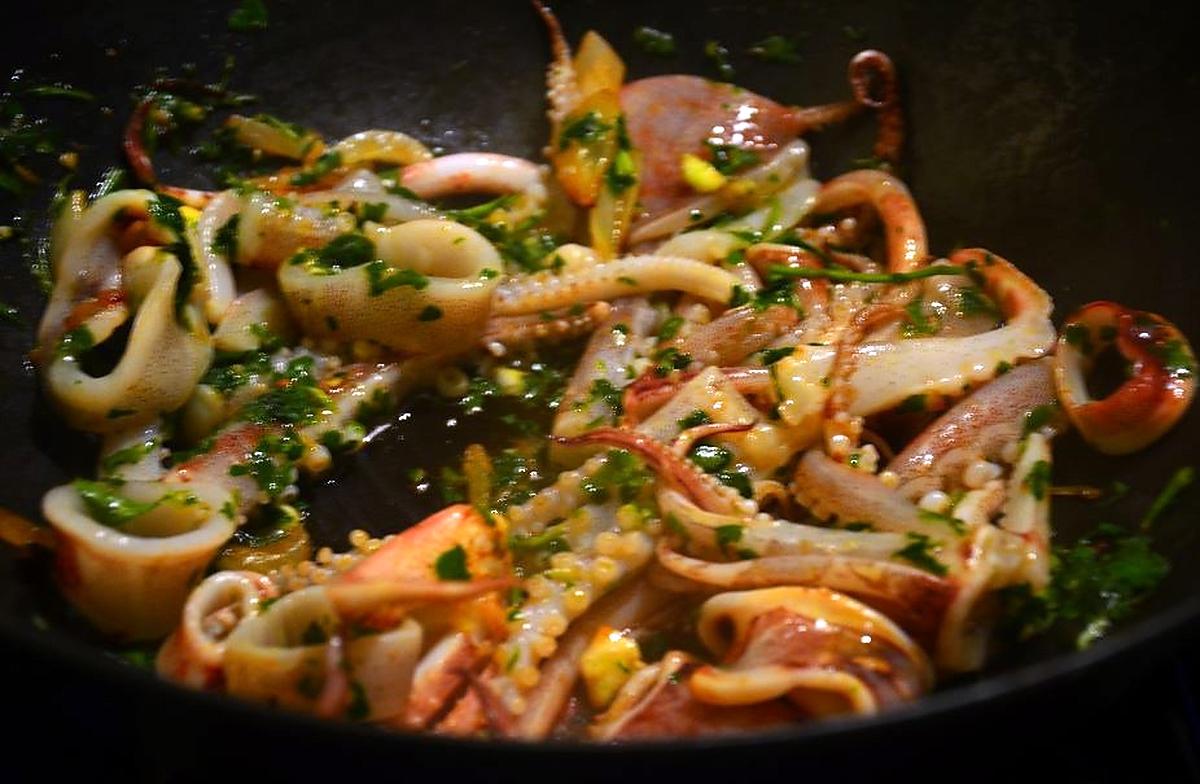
794,461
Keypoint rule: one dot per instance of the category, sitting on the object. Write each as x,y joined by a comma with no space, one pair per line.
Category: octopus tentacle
677,471
873,79
907,245
504,333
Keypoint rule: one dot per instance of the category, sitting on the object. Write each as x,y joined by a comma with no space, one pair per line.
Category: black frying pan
1059,135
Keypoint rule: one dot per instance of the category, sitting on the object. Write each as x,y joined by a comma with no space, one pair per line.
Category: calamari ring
1161,383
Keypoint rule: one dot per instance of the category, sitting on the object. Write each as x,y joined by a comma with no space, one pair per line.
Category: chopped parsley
654,41
1037,481
728,535
621,175
359,707
776,49
604,391
550,540
912,404
1177,358
918,552
270,463
1094,584
670,328
430,313
621,472
321,168
106,506
250,15
130,455
917,321
587,129
1039,417
384,278
694,419
75,344
974,301
711,458
452,564
226,239
718,55
294,397
343,251
670,359
730,158
769,356
956,525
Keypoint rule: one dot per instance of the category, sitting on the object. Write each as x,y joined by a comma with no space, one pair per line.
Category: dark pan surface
1057,135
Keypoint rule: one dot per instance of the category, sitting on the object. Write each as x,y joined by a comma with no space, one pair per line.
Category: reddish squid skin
668,116
1161,381
135,149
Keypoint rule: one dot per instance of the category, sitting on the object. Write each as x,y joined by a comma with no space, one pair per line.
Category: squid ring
429,291
1161,381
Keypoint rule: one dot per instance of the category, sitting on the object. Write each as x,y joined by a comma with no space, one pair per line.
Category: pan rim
990,691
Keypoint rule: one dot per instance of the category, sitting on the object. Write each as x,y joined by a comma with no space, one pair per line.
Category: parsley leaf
452,564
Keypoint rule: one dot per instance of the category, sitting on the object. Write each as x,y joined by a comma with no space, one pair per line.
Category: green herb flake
738,296
694,419
1094,584
912,404
1038,418
917,321
588,129
430,313
918,553
621,175
314,634
728,535
711,458
1177,359
321,168
383,278
1178,482
604,391
550,540
769,356
130,455
250,15
622,472
1037,481
776,49
452,565
730,159
718,55
974,301
956,525
654,41
106,506
670,359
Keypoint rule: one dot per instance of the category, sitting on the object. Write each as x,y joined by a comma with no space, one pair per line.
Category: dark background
1059,135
